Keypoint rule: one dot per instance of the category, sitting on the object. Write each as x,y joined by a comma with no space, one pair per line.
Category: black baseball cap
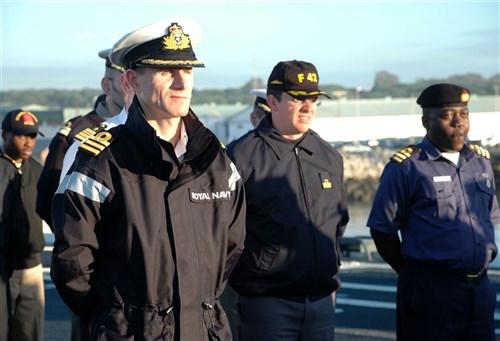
297,78
20,122
444,95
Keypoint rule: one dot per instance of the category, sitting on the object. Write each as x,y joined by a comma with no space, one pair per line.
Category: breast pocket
486,190
441,199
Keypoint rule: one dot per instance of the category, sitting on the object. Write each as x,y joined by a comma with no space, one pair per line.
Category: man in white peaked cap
150,222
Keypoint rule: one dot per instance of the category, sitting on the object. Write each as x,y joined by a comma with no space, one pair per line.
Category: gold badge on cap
28,118
176,39
464,97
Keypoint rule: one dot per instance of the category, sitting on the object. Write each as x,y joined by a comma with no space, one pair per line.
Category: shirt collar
181,145
433,153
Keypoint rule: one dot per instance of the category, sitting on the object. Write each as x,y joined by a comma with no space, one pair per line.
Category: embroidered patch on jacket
201,195
326,182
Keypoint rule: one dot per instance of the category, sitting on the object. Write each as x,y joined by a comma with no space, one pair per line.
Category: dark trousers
437,305
273,318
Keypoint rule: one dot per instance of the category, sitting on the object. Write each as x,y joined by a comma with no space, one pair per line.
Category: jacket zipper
306,201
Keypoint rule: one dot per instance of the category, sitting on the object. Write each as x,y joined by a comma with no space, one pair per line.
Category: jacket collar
281,145
433,153
145,136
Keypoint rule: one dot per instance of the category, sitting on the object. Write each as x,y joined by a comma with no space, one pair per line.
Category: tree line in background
385,85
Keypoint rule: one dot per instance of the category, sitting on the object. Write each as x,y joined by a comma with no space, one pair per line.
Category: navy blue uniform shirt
445,214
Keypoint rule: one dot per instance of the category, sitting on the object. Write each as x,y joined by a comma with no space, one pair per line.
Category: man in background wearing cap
19,131
112,122
260,106
149,221
11,224
440,196
107,105
79,328
296,211
229,297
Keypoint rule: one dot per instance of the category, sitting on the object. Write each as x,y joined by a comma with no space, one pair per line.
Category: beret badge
28,118
464,97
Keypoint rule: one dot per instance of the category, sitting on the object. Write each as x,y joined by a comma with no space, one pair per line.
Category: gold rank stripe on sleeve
480,150
86,133
66,129
97,143
403,154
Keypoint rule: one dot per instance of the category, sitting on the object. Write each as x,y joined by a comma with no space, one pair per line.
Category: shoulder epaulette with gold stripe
404,153
480,150
97,143
66,129
88,132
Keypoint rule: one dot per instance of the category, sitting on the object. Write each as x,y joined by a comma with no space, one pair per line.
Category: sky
54,44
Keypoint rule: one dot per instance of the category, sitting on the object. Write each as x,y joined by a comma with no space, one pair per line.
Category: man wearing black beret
440,197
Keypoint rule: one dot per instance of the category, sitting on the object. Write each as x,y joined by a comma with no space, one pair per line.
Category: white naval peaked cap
163,44
104,54
260,106
262,93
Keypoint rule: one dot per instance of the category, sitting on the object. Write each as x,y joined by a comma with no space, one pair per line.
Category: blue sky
54,44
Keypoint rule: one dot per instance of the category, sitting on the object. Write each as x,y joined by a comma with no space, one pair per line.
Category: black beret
443,95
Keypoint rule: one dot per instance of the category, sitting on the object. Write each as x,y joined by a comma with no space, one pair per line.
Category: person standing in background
80,127
128,95
296,212
433,219
11,224
79,328
260,106
19,132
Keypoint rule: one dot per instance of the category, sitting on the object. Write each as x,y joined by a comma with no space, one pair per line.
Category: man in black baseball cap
21,122
298,78
19,132
285,278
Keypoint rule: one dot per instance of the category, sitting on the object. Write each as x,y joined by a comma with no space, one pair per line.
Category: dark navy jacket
296,213
145,244
446,214
51,172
